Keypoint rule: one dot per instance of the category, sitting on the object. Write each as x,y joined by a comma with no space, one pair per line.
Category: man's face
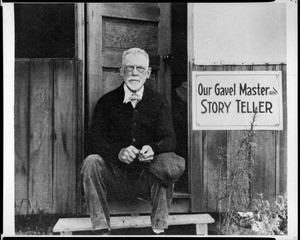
135,70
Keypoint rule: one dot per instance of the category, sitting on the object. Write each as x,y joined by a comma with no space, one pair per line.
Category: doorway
160,29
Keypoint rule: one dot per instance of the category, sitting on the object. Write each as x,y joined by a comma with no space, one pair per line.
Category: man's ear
148,72
122,71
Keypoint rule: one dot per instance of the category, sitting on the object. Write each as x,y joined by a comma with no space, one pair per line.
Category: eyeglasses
130,68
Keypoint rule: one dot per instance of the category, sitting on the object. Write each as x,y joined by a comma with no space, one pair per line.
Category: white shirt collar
128,93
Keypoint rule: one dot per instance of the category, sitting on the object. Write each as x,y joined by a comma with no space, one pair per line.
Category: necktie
134,99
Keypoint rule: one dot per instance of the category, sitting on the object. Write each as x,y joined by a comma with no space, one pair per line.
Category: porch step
66,226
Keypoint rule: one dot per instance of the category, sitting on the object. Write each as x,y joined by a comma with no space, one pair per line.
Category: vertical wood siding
46,135
21,136
41,134
270,157
65,130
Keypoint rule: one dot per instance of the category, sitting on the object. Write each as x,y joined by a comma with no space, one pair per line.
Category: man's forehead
135,55
139,57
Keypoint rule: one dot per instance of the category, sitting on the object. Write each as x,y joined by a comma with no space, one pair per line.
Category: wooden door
114,27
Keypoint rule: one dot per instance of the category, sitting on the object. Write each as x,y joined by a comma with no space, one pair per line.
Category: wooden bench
66,226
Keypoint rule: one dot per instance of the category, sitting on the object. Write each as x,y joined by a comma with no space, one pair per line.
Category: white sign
228,100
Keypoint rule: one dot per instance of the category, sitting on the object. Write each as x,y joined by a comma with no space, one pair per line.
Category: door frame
195,151
80,54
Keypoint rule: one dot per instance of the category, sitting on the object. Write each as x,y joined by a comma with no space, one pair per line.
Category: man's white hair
135,51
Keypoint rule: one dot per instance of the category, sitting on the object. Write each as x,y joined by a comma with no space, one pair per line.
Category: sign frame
220,125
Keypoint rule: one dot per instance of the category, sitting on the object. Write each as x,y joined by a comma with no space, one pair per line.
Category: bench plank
84,224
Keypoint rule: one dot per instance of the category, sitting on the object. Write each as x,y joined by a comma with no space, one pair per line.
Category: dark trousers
104,180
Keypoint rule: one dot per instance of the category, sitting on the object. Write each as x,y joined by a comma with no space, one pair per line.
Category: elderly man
130,147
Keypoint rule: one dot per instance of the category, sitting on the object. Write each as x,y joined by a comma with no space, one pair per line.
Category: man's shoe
160,233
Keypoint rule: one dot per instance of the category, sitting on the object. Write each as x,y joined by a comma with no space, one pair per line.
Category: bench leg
65,233
201,229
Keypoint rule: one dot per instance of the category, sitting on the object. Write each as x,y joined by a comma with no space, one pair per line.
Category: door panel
135,11
129,33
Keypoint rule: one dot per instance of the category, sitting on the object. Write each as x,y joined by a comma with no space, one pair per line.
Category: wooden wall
48,107
270,157
48,141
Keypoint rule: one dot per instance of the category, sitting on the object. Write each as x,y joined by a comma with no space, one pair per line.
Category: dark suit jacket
116,125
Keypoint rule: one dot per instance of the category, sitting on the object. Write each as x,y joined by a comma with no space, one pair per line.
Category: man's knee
92,162
168,167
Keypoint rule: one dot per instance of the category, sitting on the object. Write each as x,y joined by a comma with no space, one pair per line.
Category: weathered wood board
41,135
21,135
65,136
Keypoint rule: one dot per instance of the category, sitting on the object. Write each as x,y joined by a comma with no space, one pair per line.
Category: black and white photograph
149,119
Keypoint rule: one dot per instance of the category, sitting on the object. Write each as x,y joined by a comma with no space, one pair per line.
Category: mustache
134,79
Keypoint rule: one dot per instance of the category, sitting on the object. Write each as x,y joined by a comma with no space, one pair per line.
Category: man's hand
127,155
146,154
